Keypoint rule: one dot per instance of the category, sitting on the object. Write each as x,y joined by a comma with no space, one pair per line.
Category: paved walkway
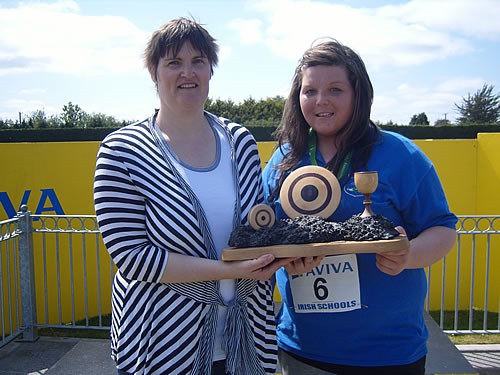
73,356
485,358
57,356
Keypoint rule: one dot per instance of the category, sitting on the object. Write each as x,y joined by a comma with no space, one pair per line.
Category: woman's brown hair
170,38
358,134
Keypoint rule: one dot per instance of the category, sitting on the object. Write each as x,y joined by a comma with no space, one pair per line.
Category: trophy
309,196
366,183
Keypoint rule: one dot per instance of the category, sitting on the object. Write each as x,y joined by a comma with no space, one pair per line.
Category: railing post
27,275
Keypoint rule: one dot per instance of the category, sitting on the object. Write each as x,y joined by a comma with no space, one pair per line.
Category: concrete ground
76,356
64,356
484,358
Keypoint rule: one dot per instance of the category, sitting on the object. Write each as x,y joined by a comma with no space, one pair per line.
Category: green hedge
443,132
261,133
53,135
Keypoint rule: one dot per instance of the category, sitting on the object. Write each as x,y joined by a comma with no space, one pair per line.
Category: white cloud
408,100
477,18
400,35
39,37
32,91
28,105
45,39
436,101
461,84
225,51
249,30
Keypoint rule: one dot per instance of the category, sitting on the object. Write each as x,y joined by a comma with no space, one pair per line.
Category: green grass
463,324
80,333
457,339
476,339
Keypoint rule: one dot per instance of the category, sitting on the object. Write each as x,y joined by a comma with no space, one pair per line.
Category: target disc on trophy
260,216
310,190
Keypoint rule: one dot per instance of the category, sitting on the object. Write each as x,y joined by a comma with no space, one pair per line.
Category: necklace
313,145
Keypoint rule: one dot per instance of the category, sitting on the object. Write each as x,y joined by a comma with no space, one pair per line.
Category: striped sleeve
249,169
120,211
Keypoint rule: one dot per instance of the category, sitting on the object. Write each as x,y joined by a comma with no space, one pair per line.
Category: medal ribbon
313,142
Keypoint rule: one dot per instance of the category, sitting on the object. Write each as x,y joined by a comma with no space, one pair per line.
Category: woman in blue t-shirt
369,317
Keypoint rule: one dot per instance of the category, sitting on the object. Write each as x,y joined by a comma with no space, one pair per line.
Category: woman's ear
152,73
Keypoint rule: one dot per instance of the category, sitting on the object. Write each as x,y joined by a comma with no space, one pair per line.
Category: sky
421,55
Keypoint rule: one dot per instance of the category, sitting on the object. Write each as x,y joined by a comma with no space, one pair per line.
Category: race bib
332,286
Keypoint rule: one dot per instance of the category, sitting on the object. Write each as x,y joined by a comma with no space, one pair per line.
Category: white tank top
215,190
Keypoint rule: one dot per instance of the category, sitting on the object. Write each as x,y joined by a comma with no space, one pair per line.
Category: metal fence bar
2,288
478,238
498,320
486,283
443,290
85,281
27,275
472,282
10,304
8,287
45,282
99,294
65,229
73,294
72,279
58,274
457,290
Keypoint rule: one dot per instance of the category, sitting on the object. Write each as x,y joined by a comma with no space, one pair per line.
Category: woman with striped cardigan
168,191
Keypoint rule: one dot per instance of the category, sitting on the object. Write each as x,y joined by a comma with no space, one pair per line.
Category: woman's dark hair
170,38
358,134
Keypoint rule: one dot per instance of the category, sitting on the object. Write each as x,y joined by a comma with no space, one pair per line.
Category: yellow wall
488,174
469,171
456,163
64,169
57,178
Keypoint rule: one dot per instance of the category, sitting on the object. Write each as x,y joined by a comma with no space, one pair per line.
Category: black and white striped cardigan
145,209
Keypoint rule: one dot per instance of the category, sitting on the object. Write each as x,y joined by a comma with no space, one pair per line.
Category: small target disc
310,190
260,216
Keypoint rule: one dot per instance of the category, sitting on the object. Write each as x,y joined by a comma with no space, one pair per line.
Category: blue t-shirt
388,326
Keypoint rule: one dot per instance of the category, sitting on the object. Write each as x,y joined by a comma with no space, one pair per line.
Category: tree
226,109
73,116
420,119
100,120
55,122
382,124
39,119
7,124
481,108
442,122
251,112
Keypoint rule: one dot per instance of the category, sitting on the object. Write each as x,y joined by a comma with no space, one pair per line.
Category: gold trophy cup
366,183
